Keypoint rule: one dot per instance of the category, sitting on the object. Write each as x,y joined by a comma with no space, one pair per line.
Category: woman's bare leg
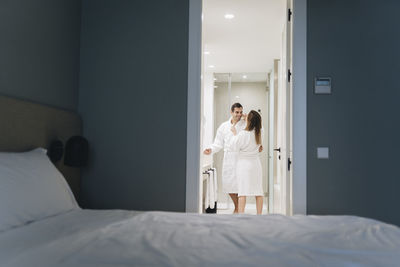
234,198
259,204
242,204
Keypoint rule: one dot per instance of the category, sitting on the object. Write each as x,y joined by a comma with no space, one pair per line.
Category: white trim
193,108
299,107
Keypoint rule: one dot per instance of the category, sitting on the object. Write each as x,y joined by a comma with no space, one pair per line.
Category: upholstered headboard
25,125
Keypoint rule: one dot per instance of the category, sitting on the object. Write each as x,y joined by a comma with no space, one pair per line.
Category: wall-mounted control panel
323,85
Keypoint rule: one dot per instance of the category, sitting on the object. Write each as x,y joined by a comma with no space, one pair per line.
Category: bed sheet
129,238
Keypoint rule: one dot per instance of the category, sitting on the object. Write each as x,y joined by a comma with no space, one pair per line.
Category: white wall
251,96
208,116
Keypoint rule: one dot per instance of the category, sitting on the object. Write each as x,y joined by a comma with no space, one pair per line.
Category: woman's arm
261,148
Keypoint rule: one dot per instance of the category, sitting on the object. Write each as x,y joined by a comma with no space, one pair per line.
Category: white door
273,152
281,192
289,109
287,118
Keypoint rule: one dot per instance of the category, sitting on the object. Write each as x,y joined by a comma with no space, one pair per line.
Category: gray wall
133,96
357,44
39,51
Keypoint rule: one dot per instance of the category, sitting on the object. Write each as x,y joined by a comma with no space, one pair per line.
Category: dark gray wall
39,51
357,44
133,96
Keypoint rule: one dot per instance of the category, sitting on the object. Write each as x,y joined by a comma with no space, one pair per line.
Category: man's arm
218,142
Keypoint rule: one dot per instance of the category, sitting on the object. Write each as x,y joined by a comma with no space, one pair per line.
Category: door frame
299,109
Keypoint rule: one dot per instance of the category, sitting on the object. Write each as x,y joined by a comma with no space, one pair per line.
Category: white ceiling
247,43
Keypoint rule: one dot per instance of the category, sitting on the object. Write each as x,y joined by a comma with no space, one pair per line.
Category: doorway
251,91
294,192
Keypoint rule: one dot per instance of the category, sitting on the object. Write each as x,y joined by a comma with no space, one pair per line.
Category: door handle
277,149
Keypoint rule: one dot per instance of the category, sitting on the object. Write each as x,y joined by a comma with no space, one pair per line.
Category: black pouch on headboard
76,152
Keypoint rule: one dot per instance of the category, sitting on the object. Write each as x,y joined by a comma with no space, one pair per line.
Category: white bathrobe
248,166
222,139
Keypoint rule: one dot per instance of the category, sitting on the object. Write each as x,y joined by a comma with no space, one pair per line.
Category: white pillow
31,188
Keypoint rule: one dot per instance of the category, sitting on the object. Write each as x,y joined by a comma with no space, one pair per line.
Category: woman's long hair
254,123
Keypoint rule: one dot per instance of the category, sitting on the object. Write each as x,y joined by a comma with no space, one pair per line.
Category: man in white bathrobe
229,181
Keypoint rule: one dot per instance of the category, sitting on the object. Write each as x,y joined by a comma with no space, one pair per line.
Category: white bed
41,225
127,238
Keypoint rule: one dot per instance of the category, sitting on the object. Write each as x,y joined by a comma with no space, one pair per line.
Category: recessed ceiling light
237,96
215,86
229,16
215,79
211,66
244,76
206,52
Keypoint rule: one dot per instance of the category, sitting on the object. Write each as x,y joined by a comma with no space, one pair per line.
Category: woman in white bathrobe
248,166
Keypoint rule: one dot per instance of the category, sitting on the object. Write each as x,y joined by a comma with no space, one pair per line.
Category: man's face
237,114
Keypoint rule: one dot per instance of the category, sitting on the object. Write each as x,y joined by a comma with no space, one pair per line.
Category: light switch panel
323,152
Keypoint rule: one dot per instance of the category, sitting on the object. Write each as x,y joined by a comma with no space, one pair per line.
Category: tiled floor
250,209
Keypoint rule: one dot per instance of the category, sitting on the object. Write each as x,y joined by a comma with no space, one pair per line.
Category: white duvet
127,238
